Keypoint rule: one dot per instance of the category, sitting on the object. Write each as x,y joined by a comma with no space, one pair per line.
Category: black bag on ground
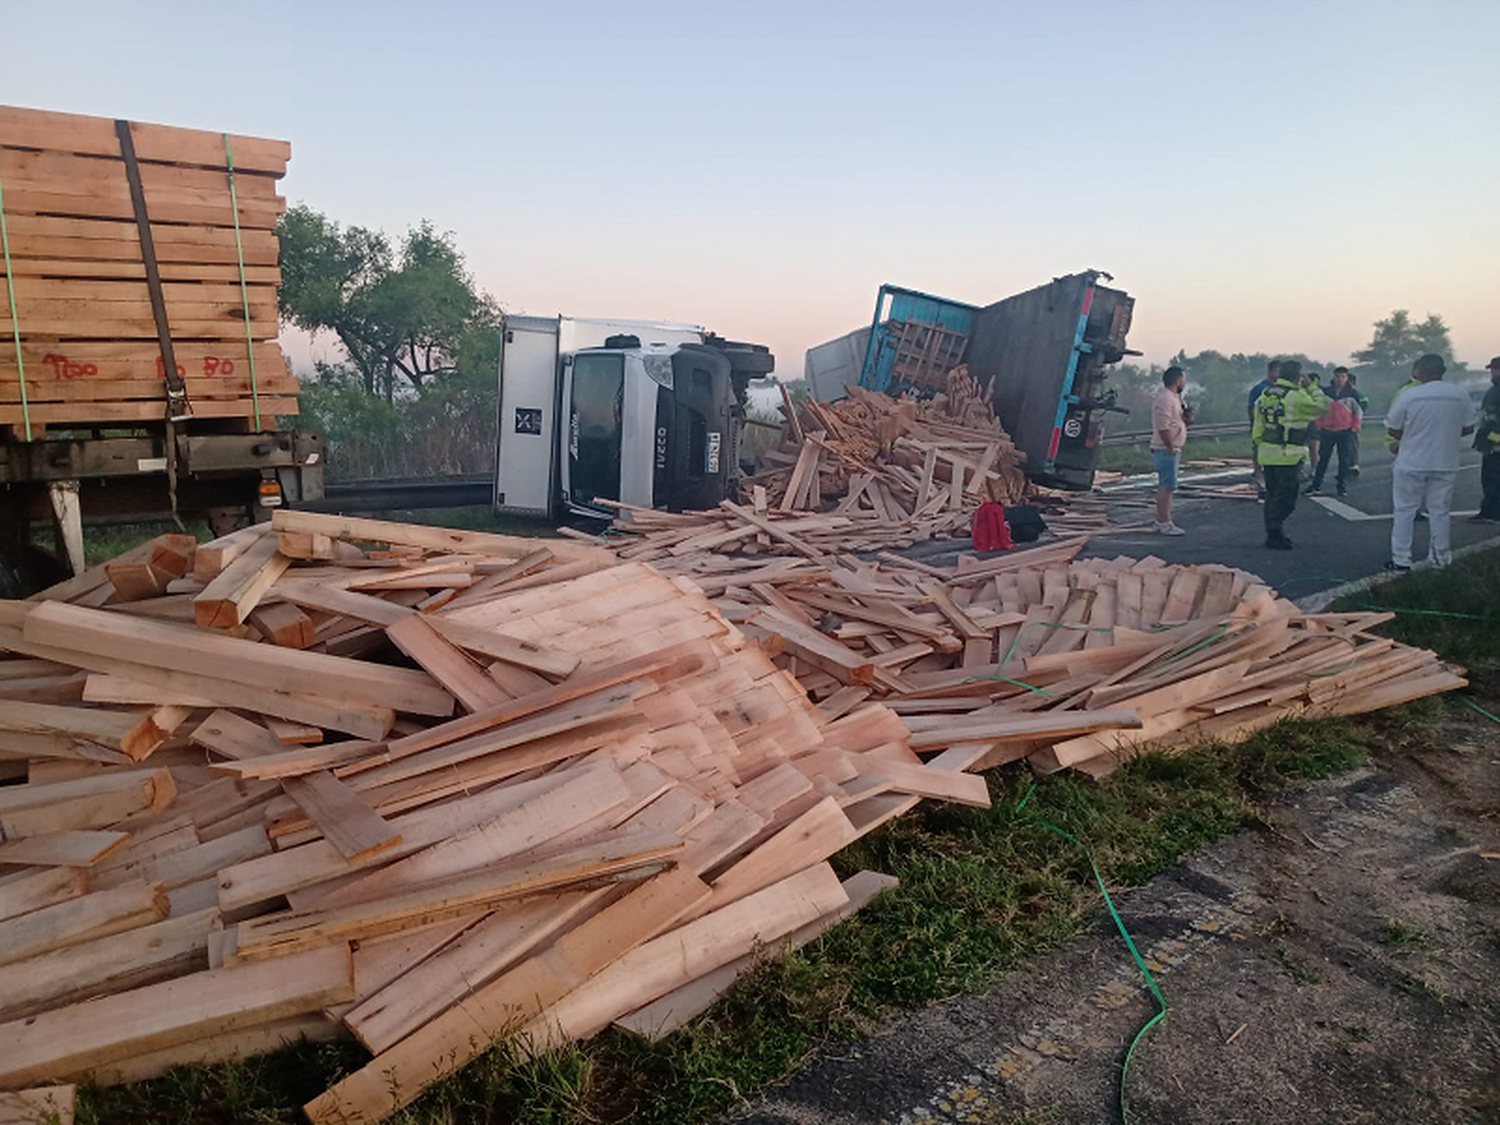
1026,523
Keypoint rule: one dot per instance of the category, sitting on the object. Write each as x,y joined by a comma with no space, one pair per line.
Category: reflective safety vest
1281,416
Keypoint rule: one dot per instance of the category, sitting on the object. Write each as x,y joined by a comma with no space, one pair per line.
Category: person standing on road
1168,436
1280,433
1487,441
1427,423
1338,431
1364,409
1314,444
1272,370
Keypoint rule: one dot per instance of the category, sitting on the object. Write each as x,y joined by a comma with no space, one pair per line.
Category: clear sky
1268,176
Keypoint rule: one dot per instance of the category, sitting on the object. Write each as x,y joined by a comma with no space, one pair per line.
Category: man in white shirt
1169,427
1427,422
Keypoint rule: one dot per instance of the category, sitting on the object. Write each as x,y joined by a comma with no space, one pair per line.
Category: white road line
1349,512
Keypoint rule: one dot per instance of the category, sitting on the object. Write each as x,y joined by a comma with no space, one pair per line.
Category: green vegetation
1218,384
1402,937
417,392
1137,458
1455,611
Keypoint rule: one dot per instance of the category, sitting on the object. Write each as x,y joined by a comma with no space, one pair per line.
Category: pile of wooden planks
901,470
428,787
89,336
1066,662
418,786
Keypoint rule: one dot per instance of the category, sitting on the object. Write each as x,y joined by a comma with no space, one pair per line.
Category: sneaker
1169,528
1279,543
1312,490
1342,491
1354,470
1421,515
1393,565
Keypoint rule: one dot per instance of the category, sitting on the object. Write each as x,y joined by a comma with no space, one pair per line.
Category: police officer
1279,432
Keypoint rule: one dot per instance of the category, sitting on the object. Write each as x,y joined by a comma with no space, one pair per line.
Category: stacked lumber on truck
428,787
89,339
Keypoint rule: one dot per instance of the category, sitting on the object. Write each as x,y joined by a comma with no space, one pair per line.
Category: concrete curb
1322,599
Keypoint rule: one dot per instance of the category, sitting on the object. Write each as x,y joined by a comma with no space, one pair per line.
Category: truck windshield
595,427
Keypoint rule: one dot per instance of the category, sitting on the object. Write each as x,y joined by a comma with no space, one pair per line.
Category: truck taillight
270,494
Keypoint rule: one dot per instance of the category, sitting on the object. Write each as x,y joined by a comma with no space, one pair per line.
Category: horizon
763,173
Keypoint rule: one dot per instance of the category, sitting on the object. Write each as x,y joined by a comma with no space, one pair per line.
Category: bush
445,428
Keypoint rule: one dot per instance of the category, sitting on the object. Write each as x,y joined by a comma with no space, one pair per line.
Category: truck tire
751,362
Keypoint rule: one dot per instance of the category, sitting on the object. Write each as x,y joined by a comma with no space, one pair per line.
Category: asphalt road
1338,540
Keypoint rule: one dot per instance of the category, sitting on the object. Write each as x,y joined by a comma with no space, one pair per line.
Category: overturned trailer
1043,355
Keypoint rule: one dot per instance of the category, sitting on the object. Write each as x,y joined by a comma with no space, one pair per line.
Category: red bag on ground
989,529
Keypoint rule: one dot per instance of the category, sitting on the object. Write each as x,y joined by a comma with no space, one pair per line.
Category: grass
1402,937
1455,611
1137,458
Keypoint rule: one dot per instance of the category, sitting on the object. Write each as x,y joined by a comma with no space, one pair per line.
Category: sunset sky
1267,176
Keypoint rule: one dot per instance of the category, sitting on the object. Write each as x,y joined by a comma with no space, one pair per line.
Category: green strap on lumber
1140,962
15,319
239,246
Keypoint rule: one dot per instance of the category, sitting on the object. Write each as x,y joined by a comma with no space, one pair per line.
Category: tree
408,312
1398,342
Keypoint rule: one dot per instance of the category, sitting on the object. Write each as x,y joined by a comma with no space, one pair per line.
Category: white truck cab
640,412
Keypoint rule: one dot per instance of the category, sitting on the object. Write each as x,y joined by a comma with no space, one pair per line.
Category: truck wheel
748,361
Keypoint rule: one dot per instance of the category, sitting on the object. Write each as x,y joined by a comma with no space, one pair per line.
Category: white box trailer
642,412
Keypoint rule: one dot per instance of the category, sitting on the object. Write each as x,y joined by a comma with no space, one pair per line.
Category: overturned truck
1042,354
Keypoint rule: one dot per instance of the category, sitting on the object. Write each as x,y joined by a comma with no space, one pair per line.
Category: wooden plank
95,915
680,955
675,1009
282,670
433,538
350,825
331,599
28,891
292,734
395,1077
110,964
571,799
499,646
468,963
809,839
298,761
284,624
88,802
235,738
641,853
73,848
81,1037
259,880
212,557
416,636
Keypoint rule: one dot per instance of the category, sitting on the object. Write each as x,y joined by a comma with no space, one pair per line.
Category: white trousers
1432,491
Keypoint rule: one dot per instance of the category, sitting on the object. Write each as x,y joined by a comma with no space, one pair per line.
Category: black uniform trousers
1281,497
1489,480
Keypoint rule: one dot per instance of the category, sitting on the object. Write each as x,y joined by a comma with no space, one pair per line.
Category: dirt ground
1340,965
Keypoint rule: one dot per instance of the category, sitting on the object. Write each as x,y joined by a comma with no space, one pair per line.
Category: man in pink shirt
1169,419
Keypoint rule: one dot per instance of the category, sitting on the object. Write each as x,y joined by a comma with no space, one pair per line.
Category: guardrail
394,493
1207,430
